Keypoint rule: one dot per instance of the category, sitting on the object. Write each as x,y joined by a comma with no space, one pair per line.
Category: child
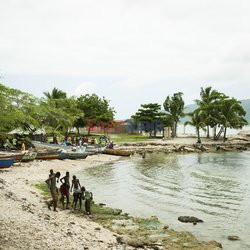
88,199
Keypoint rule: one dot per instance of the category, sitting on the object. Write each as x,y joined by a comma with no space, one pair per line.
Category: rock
189,219
215,243
98,229
165,227
233,237
102,204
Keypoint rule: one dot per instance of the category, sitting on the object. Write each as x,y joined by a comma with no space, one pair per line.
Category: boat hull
73,156
6,162
117,152
29,156
48,155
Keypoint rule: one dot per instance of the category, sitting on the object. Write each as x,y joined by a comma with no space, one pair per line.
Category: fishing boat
117,152
6,162
17,156
48,155
72,155
29,156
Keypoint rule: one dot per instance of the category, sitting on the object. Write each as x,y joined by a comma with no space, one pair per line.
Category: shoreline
187,145
26,222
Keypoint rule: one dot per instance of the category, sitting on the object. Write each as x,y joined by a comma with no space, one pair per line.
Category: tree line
215,110
56,113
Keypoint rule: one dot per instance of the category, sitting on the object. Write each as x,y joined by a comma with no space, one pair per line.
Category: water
213,187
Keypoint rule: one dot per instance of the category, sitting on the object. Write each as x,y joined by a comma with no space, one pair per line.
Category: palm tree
208,103
197,121
232,115
175,106
55,94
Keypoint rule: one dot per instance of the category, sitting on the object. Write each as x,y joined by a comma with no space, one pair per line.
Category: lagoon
214,187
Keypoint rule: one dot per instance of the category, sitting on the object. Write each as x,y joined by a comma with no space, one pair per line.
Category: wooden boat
6,162
29,156
48,155
117,152
17,157
72,155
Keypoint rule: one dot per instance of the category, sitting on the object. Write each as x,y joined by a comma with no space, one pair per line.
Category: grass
127,138
138,231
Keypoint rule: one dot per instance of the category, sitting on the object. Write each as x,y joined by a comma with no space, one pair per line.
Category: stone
233,237
166,227
189,219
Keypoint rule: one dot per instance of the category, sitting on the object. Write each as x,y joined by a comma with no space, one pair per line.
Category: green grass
127,138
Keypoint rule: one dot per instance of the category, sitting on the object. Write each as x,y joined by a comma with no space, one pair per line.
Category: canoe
6,162
48,155
117,152
17,157
72,155
29,156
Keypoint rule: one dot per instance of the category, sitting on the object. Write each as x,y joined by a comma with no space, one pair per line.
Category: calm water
212,187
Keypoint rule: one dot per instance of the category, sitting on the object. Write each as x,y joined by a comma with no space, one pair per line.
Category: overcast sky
130,51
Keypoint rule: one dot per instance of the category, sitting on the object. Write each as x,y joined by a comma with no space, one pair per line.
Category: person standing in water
76,186
64,189
53,190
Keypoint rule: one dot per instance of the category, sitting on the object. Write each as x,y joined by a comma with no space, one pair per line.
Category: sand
26,222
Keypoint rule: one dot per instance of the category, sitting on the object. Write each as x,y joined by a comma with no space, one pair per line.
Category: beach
26,222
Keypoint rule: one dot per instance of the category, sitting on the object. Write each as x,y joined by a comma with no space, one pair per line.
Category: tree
208,104
147,117
55,94
95,108
175,106
232,115
197,121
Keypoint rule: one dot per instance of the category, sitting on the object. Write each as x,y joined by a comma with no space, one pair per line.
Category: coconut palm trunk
225,134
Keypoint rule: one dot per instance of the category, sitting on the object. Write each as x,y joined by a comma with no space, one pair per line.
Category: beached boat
72,155
6,162
17,156
29,156
117,152
91,149
48,155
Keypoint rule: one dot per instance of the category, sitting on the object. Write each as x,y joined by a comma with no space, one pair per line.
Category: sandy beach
26,222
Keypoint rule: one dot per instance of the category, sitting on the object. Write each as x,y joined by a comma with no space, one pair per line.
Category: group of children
79,192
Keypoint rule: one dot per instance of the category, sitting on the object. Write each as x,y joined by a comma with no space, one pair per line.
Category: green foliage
148,113
174,106
93,107
197,120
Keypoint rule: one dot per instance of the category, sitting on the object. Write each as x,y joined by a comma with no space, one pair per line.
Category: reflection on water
212,187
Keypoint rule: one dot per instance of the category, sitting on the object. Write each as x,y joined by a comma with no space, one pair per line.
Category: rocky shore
26,222
188,145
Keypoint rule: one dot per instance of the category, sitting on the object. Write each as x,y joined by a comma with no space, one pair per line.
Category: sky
130,51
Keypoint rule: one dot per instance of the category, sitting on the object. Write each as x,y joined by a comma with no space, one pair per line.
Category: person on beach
64,189
53,190
80,197
88,199
76,186
51,172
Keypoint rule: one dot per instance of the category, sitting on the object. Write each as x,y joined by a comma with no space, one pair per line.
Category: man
76,186
53,190
64,189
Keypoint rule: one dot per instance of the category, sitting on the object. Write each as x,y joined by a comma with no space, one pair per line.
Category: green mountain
190,108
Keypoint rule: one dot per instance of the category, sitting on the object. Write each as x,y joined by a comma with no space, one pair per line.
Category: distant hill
190,108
